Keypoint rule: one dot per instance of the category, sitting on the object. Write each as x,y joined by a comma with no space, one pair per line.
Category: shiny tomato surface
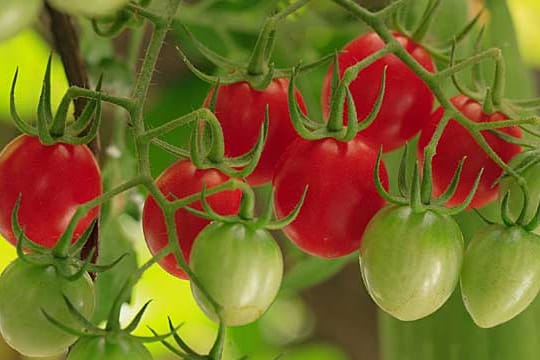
240,110
407,101
456,143
177,181
341,197
52,181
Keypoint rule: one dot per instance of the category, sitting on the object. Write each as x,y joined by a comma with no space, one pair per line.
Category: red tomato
240,110
407,100
456,142
177,181
341,197
53,180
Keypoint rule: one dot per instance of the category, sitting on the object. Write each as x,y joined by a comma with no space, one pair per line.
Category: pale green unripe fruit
15,15
501,274
241,267
410,262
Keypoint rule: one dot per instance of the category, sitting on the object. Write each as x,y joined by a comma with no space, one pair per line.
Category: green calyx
208,149
184,351
246,213
112,25
259,70
53,129
440,51
419,193
491,96
529,217
207,145
65,259
312,130
113,334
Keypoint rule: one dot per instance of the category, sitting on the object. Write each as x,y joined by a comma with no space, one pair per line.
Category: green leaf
312,271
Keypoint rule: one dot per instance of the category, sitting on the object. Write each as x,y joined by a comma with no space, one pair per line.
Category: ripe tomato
118,346
94,8
53,181
15,15
241,267
26,289
240,110
341,197
407,101
177,181
501,274
410,261
456,143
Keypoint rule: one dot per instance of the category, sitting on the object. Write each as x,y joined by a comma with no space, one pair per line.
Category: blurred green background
332,320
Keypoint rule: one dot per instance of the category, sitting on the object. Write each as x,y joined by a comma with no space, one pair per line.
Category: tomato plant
52,180
328,187
407,100
410,261
240,110
241,267
117,347
16,15
501,274
341,198
449,155
179,180
95,8
27,290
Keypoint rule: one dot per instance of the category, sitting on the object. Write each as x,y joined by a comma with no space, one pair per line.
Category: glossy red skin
341,197
407,101
240,110
177,181
53,180
456,143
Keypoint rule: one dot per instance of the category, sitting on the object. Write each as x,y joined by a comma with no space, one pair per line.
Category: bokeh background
332,320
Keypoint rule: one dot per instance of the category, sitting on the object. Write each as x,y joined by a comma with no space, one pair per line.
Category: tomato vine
338,142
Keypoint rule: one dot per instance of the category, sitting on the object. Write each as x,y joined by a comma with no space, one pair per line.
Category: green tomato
26,289
530,174
93,8
501,274
410,261
15,15
111,347
241,267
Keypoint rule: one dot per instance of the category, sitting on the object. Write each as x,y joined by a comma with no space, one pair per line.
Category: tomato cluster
330,190
52,180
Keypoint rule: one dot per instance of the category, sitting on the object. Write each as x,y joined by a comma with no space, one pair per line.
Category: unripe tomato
26,289
456,143
111,347
501,274
240,110
15,15
410,261
341,196
177,181
94,8
241,267
53,181
407,101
